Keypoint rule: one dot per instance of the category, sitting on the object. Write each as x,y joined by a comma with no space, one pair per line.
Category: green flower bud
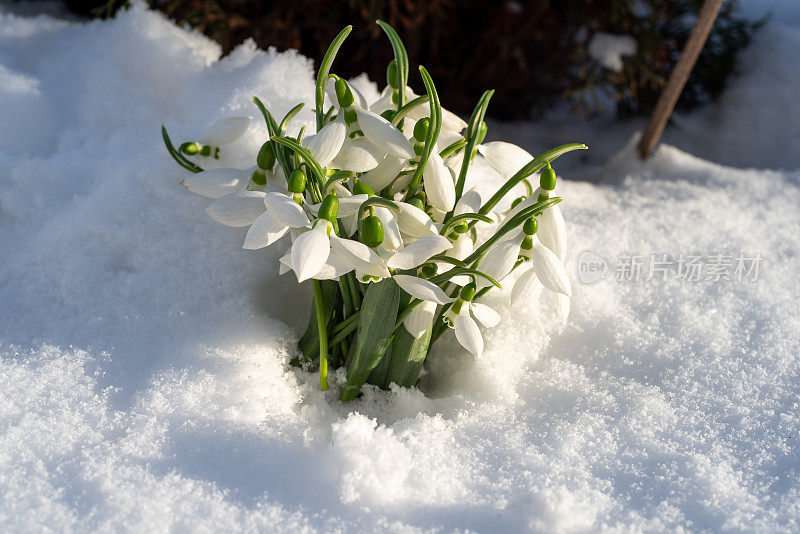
429,270
329,208
547,180
421,129
190,148
360,188
468,292
266,157
297,183
419,148
516,201
482,129
259,177
371,233
530,226
343,93
395,97
205,150
461,227
350,116
417,203
391,74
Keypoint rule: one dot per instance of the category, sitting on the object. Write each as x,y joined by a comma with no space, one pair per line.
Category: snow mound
144,377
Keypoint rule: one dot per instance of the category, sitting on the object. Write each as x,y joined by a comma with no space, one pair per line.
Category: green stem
323,336
344,324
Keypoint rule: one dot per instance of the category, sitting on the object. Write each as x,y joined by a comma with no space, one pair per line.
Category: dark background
534,53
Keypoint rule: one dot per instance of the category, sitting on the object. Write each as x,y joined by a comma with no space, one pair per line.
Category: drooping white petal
226,130
549,269
420,318
386,171
326,144
451,123
384,102
381,133
311,250
484,314
285,263
462,247
422,289
439,184
359,256
358,155
285,209
216,183
349,205
468,334
419,251
264,231
392,239
414,222
553,232
237,209
505,158
499,261
562,305
526,289
470,202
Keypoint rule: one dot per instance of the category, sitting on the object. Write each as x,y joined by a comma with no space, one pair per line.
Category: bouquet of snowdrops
374,203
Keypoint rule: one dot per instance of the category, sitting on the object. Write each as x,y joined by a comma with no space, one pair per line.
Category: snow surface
144,378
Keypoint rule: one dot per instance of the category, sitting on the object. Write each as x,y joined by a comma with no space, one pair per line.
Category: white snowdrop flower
461,316
526,289
226,131
282,213
451,123
553,231
238,209
470,202
419,320
414,222
216,183
422,289
549,269
330,93
358,155
463,246
334,267
362,258
310,251
419,252
505,158
499,260
326,144
349,205
383,135
608,49
383,174
392,238
439,184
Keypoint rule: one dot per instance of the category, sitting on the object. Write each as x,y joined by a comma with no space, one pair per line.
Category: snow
144,377
608,49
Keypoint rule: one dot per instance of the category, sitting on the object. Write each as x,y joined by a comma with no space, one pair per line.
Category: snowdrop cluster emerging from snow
375,199
144,376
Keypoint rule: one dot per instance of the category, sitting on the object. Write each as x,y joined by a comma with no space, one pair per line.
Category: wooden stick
677,80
